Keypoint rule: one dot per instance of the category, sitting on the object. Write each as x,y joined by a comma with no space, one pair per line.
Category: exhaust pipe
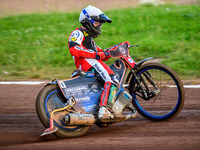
133,115
79,119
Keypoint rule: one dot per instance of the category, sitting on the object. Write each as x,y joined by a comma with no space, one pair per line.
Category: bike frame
123,53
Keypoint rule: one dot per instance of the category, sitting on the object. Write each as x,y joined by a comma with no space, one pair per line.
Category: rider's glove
101,55
127,43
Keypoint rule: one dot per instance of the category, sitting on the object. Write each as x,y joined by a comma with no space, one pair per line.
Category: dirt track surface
20,126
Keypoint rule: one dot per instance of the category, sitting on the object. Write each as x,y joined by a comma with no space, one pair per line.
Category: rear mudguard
53,82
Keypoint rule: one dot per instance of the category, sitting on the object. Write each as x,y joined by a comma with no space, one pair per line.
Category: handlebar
133,46
121,51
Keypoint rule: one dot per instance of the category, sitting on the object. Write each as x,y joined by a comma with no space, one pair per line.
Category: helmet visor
101,18
104,18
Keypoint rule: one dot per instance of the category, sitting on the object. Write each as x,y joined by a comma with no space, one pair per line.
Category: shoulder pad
76,36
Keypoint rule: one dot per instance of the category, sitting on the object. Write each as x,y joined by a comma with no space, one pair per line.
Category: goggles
87,15
102,18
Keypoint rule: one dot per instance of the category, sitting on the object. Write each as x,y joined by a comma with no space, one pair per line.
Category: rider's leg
107,100
110,88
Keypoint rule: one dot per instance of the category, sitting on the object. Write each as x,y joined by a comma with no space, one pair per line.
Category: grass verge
35,46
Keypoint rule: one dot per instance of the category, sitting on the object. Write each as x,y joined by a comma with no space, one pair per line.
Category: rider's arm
80,52
102,51
107,58
75,47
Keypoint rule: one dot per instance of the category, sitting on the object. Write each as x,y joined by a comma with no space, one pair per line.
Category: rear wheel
164,89
49,99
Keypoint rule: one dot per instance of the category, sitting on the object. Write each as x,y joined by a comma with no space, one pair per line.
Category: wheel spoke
164,89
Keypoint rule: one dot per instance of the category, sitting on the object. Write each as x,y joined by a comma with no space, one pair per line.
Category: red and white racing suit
84,50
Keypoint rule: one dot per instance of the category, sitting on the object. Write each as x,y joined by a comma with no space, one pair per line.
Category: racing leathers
89,57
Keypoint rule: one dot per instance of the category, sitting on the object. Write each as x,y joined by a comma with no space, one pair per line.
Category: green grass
35,46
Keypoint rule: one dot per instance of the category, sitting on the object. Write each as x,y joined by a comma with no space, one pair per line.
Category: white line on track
192,86
23,82
43,82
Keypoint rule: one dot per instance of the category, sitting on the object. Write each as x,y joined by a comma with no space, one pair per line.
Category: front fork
144,90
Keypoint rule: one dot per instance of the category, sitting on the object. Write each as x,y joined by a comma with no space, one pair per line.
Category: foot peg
104,114
53,128
50,130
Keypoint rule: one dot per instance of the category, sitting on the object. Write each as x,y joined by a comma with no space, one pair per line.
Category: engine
124,99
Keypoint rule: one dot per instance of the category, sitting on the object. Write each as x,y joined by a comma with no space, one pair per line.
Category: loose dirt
20,127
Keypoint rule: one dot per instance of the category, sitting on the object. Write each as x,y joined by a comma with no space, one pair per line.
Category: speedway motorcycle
69,107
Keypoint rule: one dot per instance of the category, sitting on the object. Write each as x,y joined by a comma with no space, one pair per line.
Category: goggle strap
87,15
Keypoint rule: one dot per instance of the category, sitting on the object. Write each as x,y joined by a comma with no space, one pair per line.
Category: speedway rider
89,57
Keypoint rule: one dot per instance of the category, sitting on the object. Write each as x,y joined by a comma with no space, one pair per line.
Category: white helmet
87,18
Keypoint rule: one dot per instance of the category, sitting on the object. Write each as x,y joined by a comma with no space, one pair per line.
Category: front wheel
164,92
49,99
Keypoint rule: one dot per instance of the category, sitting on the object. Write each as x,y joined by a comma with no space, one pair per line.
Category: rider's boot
106,102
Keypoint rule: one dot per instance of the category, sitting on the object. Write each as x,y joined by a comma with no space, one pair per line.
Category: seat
78,72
